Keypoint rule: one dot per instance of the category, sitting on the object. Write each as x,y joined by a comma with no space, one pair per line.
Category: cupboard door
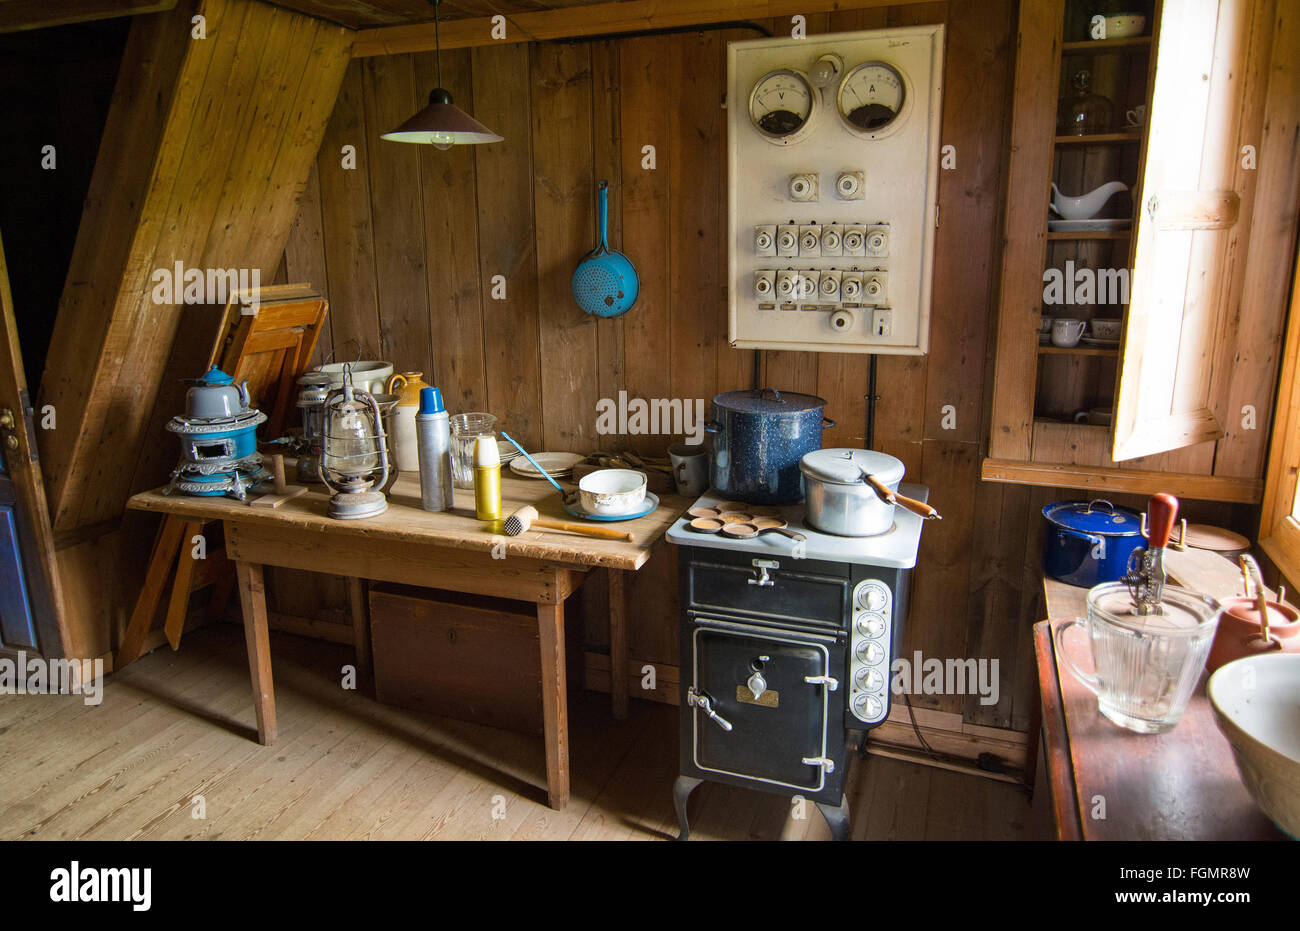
1179,315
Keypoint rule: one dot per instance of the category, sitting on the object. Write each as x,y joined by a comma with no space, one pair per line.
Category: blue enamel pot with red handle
1088,542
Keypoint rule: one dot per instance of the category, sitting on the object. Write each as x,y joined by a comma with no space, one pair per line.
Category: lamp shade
442,124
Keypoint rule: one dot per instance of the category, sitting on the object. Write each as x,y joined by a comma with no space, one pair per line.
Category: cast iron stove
786,649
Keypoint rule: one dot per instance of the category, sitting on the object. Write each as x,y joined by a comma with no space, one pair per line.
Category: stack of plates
507,451
557,465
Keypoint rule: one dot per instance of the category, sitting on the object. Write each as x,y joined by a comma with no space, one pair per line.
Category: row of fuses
829,285
813,240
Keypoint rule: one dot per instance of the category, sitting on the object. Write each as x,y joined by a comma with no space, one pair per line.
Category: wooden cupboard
1213,176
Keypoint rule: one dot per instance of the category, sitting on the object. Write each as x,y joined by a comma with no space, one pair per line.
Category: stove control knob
867,707
870,625
868,679
875,599
870,652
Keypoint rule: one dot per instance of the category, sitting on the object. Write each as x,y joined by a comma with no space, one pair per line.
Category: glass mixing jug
1147,665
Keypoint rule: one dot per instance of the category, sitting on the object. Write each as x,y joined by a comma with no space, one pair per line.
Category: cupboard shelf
1078,350
1093,234
1129,44
1099,139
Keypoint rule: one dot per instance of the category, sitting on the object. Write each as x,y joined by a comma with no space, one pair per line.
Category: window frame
1279,530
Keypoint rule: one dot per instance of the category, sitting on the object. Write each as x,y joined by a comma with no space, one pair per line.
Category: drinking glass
465,429
1147,666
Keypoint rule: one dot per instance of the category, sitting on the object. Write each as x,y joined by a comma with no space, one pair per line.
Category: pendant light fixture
441,124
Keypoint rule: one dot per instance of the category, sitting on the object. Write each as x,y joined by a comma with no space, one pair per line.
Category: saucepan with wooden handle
854,492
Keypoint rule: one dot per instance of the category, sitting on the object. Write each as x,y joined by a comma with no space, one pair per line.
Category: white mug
1066,331
1136,117
690,468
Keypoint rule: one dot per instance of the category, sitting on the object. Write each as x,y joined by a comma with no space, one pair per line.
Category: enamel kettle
215,396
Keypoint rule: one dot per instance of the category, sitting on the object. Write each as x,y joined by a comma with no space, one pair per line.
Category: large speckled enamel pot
758,438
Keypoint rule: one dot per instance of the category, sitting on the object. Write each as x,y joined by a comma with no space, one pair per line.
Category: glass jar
1084,113
465,429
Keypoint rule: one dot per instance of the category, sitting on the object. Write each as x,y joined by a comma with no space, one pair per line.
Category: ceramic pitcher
405,446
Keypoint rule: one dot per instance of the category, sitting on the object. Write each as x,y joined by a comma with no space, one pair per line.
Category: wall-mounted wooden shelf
1099,139
1078,351
1133,481
1128,44
1091,234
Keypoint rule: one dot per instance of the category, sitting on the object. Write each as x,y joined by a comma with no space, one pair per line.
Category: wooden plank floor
175,728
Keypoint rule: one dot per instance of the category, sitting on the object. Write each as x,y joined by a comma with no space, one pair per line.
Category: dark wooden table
1180,785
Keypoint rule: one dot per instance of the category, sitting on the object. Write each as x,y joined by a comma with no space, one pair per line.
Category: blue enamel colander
605,283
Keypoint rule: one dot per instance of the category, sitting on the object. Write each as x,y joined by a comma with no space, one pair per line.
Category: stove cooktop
895,548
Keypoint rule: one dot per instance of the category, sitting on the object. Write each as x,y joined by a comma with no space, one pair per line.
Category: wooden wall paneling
454,306
565,206
397,217
304,254
648,118
996,622
346,223
506,246
937,623
607,164
1260,310
693,220
977,71
85,349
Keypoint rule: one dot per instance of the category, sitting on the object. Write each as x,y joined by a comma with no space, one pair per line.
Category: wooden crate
468,657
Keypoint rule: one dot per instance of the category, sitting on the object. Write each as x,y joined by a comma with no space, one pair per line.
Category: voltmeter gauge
782,105
871,98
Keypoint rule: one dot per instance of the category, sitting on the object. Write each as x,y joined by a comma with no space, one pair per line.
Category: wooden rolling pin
526,517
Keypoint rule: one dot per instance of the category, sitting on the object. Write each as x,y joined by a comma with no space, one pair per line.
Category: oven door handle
830,682
705,704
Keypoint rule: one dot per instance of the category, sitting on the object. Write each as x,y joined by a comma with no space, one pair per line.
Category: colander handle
604,214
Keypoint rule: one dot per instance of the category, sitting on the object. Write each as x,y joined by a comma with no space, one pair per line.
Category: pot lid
1097,516
845,466
769,401
214,378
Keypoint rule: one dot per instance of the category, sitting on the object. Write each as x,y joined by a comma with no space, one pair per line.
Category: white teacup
1067,331
1136,117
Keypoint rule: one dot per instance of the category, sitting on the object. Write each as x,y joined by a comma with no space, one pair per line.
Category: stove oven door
772,688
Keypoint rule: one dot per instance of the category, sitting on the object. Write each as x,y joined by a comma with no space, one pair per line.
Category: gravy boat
1085,206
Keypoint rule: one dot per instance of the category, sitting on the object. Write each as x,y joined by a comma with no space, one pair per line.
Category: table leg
252,598
360,622
555,703
617,643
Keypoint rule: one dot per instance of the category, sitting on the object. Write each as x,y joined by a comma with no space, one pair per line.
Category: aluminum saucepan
853,492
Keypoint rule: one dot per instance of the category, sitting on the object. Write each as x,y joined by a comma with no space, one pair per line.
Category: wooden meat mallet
526,517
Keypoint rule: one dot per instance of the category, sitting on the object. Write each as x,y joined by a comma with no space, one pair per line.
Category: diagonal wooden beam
207,146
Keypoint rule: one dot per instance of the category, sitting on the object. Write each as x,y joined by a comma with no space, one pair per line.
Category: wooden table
1180,785
449,550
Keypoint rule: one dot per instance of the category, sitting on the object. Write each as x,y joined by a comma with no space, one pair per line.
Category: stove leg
682,790
837,817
